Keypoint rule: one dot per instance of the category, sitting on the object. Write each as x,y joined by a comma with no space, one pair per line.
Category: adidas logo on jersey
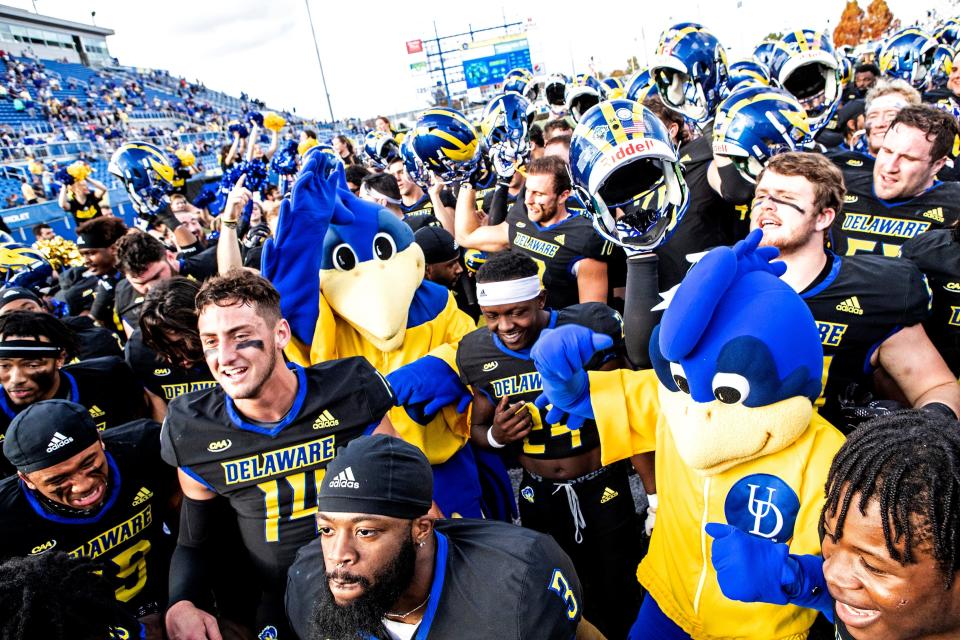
219,445
43,548
490,366
142,496
560,239
934,214
325,420
608,495
96,412
344,479
851,305
58,440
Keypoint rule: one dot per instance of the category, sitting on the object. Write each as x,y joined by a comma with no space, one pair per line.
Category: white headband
373,193
491,294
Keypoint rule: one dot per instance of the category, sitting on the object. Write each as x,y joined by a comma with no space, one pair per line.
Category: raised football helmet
763,52
521,81
380,148
942,65
640,86
414,166
447,143
504,128
805,65
755,123
555,89
748,72
612,88
625,169
948,32
146,174
582,93
23,266
690,71
908,55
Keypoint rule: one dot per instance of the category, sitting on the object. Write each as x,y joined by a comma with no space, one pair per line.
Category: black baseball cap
437,244
378,475
48,432
12,294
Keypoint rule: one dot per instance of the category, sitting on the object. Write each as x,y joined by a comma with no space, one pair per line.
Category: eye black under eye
727,395
681,383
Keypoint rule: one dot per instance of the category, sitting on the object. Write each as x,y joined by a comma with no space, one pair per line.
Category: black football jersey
492,369
270,472
851,162
491,580
937,254
709,220
105,386
165,380
127,533
556,249
879,227
858,302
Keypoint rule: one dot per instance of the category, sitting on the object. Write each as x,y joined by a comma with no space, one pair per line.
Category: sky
266,48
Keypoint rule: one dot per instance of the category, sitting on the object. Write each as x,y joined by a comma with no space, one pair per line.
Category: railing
22,219
52,150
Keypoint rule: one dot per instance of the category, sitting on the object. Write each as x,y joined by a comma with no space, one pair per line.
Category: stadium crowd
512,376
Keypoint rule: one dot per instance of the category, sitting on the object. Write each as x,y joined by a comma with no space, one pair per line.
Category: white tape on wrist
493,441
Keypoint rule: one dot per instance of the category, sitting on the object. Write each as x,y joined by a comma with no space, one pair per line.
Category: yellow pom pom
306,145
79,171
274,121
187,159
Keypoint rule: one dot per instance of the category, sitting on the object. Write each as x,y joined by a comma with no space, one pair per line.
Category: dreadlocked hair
53,596
909,462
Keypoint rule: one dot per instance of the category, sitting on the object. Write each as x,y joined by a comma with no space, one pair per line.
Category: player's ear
825,218
26,481
282,333
421,528
542,299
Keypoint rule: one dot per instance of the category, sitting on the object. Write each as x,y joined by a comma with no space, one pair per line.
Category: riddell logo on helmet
623,152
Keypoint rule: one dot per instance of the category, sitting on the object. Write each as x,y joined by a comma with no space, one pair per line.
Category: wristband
940,409
229,224
493,441
652,502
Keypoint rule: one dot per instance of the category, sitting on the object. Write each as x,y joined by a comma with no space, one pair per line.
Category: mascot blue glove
294,256
753,569
427,385
560,356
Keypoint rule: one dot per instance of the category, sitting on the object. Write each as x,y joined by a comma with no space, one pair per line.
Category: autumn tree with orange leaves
878,19
849,30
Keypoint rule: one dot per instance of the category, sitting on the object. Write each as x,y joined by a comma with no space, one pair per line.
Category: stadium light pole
319,61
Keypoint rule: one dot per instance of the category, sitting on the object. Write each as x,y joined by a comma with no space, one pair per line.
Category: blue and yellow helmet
612,88
763,52
750,71
942,66
582,93
23,266
640,86
755,123
690,71
413,164
805,64
505,126
622,158
521,81
846,69
380,149
447,143
146,174
948,32
908,55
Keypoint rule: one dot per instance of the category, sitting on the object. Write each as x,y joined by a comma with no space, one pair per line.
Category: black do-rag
378,475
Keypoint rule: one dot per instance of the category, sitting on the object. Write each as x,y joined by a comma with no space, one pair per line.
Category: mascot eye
344,258
383,246
730,388
679,377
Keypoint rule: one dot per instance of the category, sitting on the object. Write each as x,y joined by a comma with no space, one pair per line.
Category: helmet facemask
815,85
649,193
682,93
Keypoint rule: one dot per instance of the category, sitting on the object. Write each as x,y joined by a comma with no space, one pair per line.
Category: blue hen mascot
351,283
741,455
